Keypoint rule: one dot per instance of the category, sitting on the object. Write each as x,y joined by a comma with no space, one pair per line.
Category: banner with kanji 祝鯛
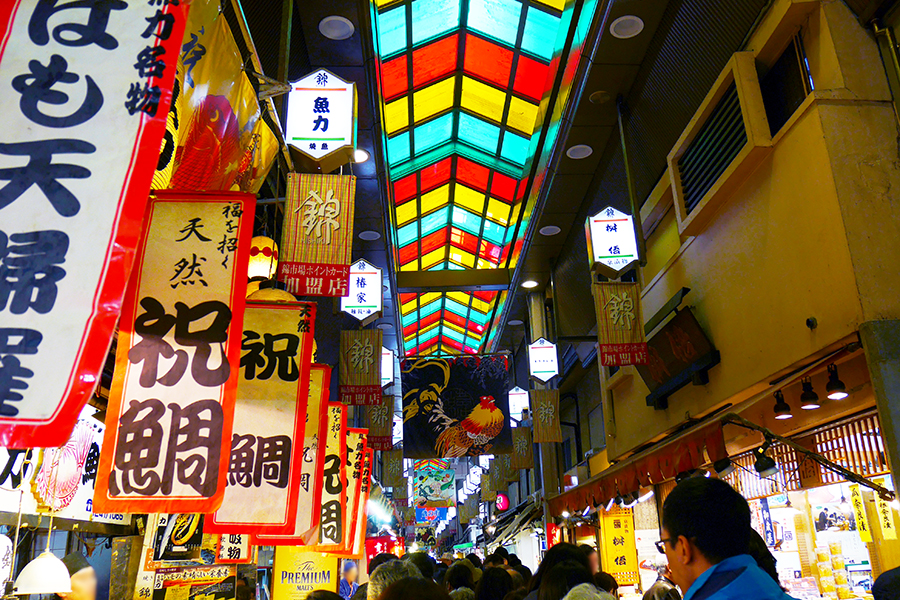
545,416
317,234
269,420
523,448
171,404
434,488
392,469
620,323
380,420
360,367
334,480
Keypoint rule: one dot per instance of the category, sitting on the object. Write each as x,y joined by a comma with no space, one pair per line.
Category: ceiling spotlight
384,325
549,230
782,408
579,151
369,236
336,28
835,388
565,514
723,467
515,322
765,465
809,399
626,27
360,155
529,284
600,97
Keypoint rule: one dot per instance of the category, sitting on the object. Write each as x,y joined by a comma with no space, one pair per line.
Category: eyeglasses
660,545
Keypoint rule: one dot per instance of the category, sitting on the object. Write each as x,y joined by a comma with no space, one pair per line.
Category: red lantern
502,502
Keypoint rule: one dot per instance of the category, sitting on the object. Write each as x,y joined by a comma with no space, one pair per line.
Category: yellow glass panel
433,99
435,199
396,115
412,265
485,264
408,307
482,99
429,328
428,298
473,338
498,211
433,258
468,198
557,4
514,215
522,115
455,328
406,212
481,305
461,297
380,3
462,258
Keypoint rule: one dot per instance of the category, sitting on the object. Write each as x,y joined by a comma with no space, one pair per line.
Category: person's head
388,573
414,589
424,563
244,592
592,556
495,583
351,572
459,575
584,591
513,560
241,581
462,593
516,595
606,582
554,556
518,580
502,552
495,560
693,536
380,559
474,559
525,572
760,553
322,595
82,577
562,578
447,559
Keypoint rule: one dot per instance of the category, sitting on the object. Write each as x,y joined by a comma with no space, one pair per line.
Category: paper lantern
263,258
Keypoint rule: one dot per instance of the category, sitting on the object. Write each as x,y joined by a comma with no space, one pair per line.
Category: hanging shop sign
518,404
859,511
523,448
364,298
392,469
360,370
234,548
178,537
761,520
426,537
310,491
506,472
430,515
317,234
84,111
385,544
620,324
619,552
477,422
488,491
380,421
434,488
678,354
334,481
543,363
214,582
612,244
361,522
554,534
266,461
399,494
885,515
177,361
546,416
387,367
296,572
321,121
356,460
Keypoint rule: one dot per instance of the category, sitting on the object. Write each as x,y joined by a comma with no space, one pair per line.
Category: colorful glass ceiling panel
461,83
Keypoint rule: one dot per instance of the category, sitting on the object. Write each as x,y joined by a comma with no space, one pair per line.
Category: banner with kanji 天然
334,480
360,367
85,95
620,323
306,522
380,420
545,416
269,420
434,488
317,234
171,404
456,406
392,469
523,448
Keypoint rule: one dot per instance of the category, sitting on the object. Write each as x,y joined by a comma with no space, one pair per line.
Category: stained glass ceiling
461,84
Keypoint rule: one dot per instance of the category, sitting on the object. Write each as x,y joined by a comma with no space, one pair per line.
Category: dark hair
606,582
513,560
587,549
459,575
525,572
502,552
496,559
562,578
322,595
473,558
245,592
711,514
516,595
555,555
495,583
414,589
518,580
760,553
380,559
424,562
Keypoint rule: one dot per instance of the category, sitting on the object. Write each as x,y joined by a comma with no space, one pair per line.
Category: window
786,84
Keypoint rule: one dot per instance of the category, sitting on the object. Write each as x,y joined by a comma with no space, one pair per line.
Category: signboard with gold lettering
620,324
360,368
523,448
171,404
298,571
392,470
545,404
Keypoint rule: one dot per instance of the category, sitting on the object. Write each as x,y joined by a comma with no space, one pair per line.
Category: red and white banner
334,481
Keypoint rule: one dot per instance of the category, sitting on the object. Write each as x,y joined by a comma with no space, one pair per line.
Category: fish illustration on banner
456,406
434,488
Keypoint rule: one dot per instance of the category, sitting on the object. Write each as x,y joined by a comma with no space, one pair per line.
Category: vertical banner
269,420
317,234
885,515
392,463
84,110
360,368
509,474
234,548
859,511
434,488
620,324
305,530
619,551
400,495
359,544
356,460
380,420
523,448
334,481
171,404
298,571
545,404
488,491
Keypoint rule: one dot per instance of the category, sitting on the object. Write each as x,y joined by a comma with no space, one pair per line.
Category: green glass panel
398,148
428,335
540,33
434,133
392,31
411,318
466,221
494,233
434,221
452,334
407,234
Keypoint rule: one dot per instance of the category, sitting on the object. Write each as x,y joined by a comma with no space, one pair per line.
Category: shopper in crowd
525,572
447,559
516,595
459,576
518,580
475,560
495,560
593,557
423,562
495,583
348,585
512,560
377,561
322,595
476,571
502,552
562,578
388,573
765,560
554,556
587,591
606,582
663,588
887,586
414,589
706,539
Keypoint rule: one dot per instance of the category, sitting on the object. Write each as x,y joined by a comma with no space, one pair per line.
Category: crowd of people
711,553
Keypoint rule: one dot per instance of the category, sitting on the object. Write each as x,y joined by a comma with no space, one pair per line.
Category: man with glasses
706,539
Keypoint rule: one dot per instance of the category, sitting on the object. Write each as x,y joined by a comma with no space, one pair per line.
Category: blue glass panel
498,19
453,334
466,221
398,148
434,133
494,233
407,234
515,148
434,221
432,18
539,37
411,318
480,134
392,31
477,317
430,308
456,307
454,267
428,335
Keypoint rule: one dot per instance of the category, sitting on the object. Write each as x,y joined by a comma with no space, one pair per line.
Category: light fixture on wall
723,467
809,399
782,408
835,388
765,465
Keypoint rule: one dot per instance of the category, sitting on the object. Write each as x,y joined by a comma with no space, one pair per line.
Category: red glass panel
404,189
409,253
408,297
487,61
452,343
461,239
413,327
489,251
433,241
503,187
485,296
523,185
394,77
452,317
472,174
435,60
435,175
531,78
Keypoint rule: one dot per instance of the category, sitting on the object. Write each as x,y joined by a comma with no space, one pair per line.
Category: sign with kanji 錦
85,97
523,449
364,298
619,551
380,420
360,367
612,245
321,121
543,362
392,469
317,234
171,403
620,324
545,404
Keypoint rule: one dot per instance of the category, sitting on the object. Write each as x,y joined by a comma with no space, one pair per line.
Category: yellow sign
859,510
619,552
885,515
297,572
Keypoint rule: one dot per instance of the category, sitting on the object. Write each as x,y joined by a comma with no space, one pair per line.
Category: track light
723,467
764,465
565,514
619,500
782,408
835,388
809,399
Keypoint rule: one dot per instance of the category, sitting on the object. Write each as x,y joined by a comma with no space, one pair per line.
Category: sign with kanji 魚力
364,298
620,324
612,245
360,367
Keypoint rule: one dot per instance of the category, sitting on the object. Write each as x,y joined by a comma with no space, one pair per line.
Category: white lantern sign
542,360
518,401
364,298
612,245
387,366
321,120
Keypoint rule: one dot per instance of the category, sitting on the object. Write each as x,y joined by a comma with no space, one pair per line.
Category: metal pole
632,198
284,50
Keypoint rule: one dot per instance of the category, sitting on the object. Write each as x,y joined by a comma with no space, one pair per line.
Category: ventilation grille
710,153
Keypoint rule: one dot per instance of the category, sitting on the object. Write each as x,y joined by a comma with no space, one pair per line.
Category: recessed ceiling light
579,151
549,230
515,322
600,97
337,28
384,326
369,236
626,27
360,155
529,284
